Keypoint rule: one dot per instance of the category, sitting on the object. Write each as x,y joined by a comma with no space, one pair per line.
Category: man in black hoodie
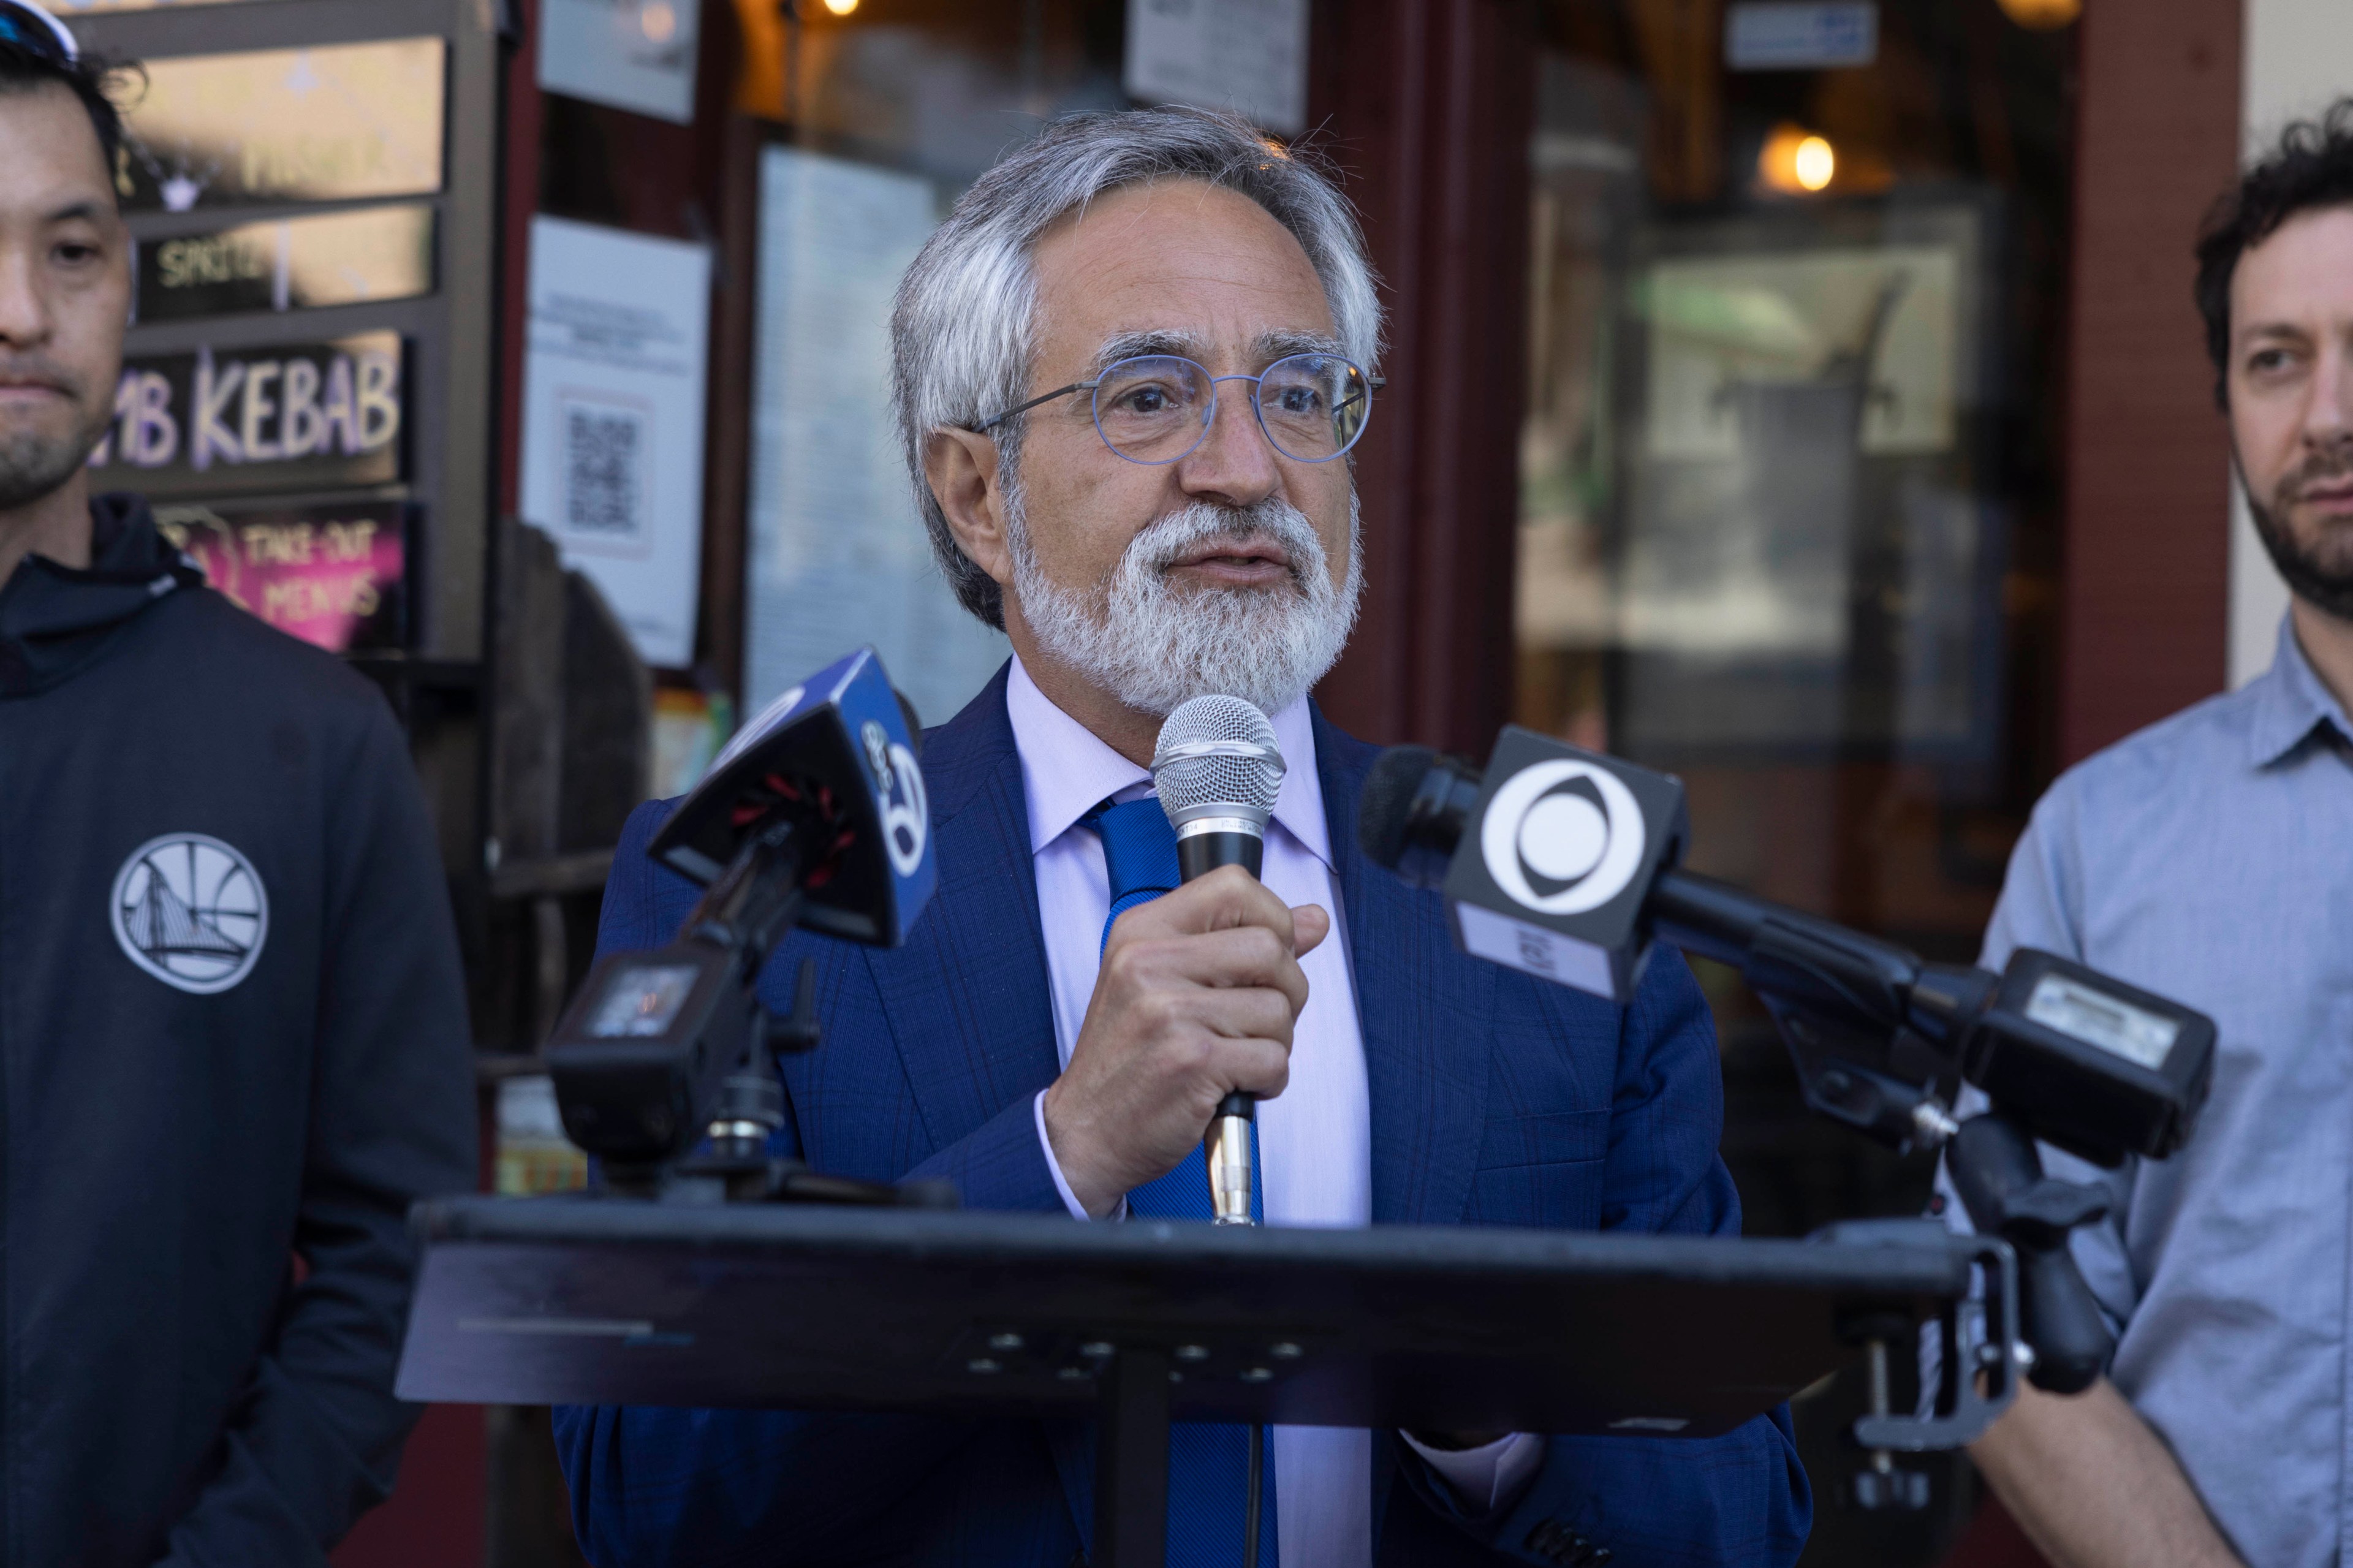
233,1038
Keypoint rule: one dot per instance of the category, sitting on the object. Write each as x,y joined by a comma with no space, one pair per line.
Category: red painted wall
2146,591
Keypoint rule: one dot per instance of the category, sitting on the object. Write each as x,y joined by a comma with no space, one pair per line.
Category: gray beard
1154,647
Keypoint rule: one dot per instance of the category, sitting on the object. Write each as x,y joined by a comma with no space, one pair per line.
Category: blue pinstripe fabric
1495,1100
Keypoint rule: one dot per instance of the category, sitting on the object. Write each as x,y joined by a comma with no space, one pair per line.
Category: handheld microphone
1219,771
815,815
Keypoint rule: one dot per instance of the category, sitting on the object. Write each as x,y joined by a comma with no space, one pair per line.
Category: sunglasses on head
38,32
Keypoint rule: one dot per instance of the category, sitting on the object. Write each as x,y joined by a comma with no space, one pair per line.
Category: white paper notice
1247,56
839,552
637,55
612,422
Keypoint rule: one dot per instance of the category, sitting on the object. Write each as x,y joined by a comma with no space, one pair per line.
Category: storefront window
883,117
1788,503
934,87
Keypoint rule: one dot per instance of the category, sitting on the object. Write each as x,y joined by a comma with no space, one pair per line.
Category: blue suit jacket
1497,1100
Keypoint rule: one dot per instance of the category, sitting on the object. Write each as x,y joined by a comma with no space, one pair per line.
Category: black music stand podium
605,1301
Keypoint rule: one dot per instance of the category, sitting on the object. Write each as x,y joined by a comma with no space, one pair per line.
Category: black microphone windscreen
1384,806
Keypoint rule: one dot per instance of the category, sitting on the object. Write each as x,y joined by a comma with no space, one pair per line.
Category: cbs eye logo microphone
1563,836
1561,850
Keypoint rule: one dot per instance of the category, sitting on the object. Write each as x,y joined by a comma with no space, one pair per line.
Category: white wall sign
1248,55
612,436
840,556
637,55
1774,35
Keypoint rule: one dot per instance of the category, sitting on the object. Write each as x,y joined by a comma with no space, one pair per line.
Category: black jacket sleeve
316,1435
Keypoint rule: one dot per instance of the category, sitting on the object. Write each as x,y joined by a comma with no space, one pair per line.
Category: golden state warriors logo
190,910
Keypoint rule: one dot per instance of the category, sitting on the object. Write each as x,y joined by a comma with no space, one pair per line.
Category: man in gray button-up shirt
2210,857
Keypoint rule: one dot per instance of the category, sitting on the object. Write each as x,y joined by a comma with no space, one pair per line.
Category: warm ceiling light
1794,161
1815,163
841,7
2041,15
657,21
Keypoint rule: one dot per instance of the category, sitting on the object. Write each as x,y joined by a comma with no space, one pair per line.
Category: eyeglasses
38,32
1157,408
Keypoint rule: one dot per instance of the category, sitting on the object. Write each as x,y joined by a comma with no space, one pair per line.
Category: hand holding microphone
1197,994
1219,772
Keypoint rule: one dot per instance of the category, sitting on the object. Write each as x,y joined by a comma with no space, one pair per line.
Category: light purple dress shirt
1314,1139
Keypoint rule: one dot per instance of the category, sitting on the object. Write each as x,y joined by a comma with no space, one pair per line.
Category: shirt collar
2291,702
1066,768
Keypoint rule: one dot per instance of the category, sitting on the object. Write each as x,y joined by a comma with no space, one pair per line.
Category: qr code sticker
607,449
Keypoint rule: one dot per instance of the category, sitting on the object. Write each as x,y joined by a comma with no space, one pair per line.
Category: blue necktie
1207,1464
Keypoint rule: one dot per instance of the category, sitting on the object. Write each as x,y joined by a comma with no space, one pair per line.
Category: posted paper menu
612,440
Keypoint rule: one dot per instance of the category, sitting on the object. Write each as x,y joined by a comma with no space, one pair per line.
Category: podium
614,1301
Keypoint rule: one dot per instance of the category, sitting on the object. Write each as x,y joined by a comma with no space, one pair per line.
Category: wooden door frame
2145,587
1426,107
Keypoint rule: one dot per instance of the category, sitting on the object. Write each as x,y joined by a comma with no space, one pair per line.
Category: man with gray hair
1130,369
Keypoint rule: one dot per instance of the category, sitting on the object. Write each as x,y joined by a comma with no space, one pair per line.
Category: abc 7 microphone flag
1568,844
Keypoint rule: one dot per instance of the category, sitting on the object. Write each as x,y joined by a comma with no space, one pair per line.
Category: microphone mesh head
1216,751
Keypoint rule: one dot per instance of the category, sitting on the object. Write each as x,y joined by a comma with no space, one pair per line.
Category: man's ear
961,467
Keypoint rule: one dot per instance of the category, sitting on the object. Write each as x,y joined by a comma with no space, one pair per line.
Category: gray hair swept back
963,328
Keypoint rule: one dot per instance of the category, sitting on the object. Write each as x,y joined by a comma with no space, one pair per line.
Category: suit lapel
1424,1011
967,998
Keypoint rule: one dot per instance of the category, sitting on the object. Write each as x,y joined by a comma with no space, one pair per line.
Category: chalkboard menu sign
337,258
330,124
311,191
334,575
248,420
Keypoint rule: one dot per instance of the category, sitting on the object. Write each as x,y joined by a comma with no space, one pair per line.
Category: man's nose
1234,464
2329,414
24,309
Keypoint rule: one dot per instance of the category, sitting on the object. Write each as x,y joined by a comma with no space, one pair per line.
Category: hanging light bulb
1816,162
2041,15
841,7
1795,162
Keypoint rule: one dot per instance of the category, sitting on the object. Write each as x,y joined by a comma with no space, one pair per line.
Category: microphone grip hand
1202,847
1197,995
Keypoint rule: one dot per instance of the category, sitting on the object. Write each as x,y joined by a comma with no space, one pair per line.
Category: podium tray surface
614,1301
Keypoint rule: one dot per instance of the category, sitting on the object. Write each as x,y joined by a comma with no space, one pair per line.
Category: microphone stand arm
1843,1003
